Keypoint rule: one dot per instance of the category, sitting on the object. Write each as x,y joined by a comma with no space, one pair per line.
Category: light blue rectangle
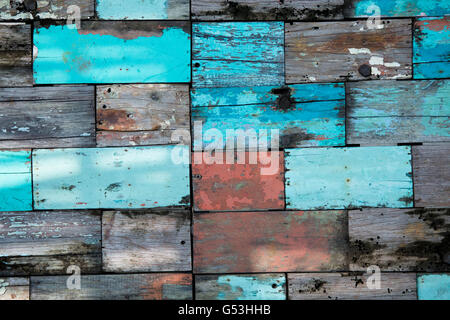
401,8
143,9
433,287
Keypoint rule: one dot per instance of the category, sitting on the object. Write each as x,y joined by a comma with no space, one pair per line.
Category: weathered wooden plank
304,115
348,286
390,112
47,117
112,52
143,9
267,10
48,242
240,287
14,289
227,242
15,55
357,52
86,178
433,287
237,54
431,168
141,114
338,178
15,180
248,185
395,8
432,47
400,239
45,9
136,241
155,286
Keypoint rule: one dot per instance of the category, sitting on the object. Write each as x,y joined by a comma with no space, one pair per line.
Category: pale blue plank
143,9
139,177
398,8
339,178
433,287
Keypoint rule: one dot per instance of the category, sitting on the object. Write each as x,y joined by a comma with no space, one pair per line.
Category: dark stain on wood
284,101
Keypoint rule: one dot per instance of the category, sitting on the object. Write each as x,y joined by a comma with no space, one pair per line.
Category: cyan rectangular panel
15,181
432,47
143,9
396,8
433,287
112,52
339,178
138,177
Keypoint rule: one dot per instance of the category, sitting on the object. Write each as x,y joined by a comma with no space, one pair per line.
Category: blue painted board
241,287
15,180
138,177
233,54
432,48
433,287
339,178
397,8
143,9
304,115
112,52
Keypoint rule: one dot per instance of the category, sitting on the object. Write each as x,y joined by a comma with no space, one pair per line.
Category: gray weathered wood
15,55
347,286
14,289
47,117
141,114
153,240
156,286
334,51
431,168
47,242
44,9
267,10
400,239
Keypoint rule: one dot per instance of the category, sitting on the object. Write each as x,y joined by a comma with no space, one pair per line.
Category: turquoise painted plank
433,287
15,181
339,178
112,52
138,177
397,8
432,48
241,287
143,9
231,54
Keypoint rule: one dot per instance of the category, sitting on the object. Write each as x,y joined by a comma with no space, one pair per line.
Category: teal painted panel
433,287
15,181
318,122
339,178
232,54
138,177
431,48
398,8
142,9
112,52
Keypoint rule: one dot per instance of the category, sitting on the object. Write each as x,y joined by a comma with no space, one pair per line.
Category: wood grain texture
47,117
146,241
339,178
15,55
304,115
400,239
141,114
347,286
112,52
240,287
47,242
431,167
44,9
15,180
228,242
247,185
14,289
237,54
143,9
155,286
94,178
433,287
357,52
432,47
267,10
390,112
